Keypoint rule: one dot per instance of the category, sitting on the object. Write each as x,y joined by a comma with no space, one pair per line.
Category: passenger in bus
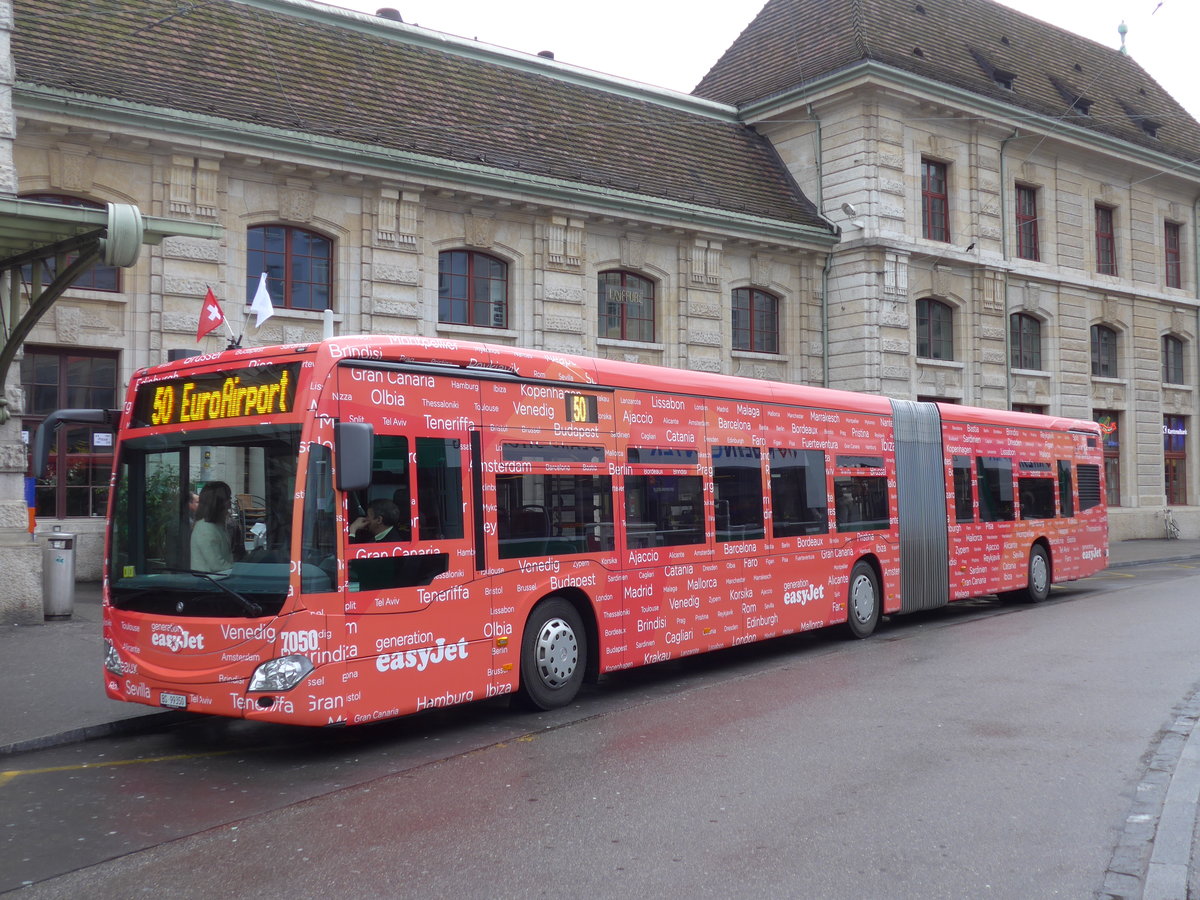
211,550
379,524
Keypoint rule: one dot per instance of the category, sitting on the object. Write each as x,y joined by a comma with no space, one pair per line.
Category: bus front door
407,540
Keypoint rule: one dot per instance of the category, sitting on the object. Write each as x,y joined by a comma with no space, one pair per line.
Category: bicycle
1172,525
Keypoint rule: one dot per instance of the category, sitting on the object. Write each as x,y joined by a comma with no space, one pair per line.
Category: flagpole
234,341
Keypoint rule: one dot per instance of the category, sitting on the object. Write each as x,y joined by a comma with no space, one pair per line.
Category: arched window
98,277
935,330
298,263
1172,360
626,306
1104,352
755,321
1025,341
472,289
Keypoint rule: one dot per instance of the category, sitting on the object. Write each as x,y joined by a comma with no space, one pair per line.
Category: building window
1171,243
1172,360
1035,408
1025,341
935,201
1110,436
76,481
935,330
1175,429
298,263
755,321
472,289
626,306
1027,223
1106,241
1104,352
98,277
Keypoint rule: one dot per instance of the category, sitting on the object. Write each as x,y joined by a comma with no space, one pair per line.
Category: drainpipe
1004,254
820,166
1196,292
825,312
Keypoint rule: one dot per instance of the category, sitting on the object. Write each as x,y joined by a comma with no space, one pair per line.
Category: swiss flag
210,315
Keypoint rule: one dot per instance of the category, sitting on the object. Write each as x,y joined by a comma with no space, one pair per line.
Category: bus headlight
281,674
112,659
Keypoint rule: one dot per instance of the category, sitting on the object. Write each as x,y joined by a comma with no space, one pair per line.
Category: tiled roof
973,45
327,74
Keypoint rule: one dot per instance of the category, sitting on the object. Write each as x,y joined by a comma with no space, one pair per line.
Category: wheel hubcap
862,599
557,653
1039,574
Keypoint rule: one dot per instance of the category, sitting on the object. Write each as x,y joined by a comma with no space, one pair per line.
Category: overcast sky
672,43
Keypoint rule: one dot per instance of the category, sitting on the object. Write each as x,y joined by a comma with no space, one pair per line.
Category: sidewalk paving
54,690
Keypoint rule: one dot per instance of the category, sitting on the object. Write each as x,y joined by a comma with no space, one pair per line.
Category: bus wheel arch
1039,575
558,650
864,597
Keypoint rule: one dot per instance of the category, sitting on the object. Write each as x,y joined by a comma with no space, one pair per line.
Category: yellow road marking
9,775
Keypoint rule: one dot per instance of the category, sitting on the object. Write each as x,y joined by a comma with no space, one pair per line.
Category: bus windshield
215,530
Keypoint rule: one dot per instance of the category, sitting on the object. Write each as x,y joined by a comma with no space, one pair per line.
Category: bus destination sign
257,391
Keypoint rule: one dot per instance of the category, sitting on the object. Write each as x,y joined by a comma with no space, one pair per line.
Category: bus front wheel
553,655
863,601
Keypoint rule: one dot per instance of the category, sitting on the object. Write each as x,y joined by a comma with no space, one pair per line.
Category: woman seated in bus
211,550
379,524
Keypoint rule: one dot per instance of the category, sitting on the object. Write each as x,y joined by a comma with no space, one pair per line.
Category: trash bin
58,575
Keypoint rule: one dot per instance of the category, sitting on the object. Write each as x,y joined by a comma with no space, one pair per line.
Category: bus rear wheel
553,655
862,600
1037,588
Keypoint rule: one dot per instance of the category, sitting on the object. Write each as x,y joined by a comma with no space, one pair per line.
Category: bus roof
474,357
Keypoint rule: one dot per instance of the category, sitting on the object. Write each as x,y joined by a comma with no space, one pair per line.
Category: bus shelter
76,239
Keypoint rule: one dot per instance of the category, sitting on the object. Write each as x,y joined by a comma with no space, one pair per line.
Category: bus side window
544,514
389,482
861,503
318,548
439,489
553,515
1037,498
737,493
995,488
664,510
798,492
1066,493
964,508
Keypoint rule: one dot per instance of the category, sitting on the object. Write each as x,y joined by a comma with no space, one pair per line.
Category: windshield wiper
252,609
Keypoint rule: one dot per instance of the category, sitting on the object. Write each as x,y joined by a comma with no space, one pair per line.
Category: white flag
261,305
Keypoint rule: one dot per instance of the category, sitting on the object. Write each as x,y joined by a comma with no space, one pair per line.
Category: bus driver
379,524
211,550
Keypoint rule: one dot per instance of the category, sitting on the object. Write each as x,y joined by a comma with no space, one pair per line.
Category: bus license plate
175,701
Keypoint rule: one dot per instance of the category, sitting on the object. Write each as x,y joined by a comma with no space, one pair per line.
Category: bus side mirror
354,449
44,436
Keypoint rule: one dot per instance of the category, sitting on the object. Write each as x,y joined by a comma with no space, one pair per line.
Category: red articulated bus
391,524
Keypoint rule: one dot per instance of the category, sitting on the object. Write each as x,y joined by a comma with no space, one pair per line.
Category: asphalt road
984,750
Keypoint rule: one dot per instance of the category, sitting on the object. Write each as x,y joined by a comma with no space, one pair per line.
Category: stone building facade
390,218
805,181
1056,245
